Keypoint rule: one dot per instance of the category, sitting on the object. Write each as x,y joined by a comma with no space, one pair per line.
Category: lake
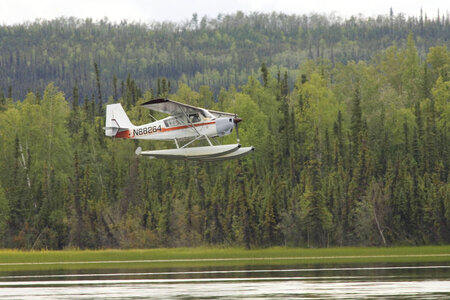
377,281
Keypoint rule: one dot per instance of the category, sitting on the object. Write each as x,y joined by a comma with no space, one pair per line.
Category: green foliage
222,52
4,215
351,145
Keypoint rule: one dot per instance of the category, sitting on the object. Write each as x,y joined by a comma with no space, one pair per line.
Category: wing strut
190,142
189,121
195,129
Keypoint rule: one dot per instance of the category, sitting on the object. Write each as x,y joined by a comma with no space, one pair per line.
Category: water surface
288,282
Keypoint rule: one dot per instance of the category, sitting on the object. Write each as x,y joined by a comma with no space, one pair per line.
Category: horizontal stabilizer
111,131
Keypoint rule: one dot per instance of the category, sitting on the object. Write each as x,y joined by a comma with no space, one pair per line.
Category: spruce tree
99,91
356,122
406,150
74,121
115,97
265,74
77,219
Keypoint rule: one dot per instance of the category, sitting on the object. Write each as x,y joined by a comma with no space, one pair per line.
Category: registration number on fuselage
146,130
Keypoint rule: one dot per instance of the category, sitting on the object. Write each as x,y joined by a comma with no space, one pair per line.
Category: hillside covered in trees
349,118
220,52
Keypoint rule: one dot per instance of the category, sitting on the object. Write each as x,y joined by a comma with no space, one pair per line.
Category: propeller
236,120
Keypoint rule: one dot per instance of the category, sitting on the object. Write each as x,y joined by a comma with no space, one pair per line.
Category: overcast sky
147,11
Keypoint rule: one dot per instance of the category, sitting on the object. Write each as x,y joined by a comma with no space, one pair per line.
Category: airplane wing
220,114
174,108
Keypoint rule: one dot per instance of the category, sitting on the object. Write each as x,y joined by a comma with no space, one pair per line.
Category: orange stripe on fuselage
127,133
123,134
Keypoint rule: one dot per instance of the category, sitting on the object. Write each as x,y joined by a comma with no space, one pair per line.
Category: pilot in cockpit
194,118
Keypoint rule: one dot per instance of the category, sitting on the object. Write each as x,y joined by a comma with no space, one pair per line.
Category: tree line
217,52
347,153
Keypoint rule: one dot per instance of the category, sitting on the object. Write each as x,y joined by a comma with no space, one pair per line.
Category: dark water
281,282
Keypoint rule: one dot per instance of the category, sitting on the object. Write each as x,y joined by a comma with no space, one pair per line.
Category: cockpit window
171,122
181,120
194,118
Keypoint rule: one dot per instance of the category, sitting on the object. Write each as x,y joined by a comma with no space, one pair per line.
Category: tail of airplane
116,120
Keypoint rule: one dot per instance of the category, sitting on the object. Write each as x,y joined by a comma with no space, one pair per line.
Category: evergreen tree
113,183
75,97
243,219
356,122
430,151
425,82
265,74
164,87
411,74
74,121
269,222
318,218
77,219
115,96
285,85
406,147
99,91
323,173
214,232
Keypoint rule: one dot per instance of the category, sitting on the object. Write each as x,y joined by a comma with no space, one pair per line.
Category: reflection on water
293,282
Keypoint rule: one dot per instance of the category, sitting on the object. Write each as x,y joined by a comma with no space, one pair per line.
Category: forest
349,118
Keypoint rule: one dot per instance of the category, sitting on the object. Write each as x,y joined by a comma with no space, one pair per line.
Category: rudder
116,120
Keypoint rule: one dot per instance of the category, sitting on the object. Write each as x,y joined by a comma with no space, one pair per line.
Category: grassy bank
15,260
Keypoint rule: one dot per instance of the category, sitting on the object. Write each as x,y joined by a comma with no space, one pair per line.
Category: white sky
19,11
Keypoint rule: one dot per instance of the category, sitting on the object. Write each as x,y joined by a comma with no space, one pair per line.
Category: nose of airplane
224,126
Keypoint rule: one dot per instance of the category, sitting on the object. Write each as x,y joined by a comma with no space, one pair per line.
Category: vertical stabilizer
116,120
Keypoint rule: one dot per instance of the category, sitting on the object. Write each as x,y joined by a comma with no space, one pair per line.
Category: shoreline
17,260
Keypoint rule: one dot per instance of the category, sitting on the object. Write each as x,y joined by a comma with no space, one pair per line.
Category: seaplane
185,125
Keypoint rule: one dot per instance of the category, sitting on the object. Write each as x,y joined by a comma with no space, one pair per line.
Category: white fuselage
172,128
190,125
